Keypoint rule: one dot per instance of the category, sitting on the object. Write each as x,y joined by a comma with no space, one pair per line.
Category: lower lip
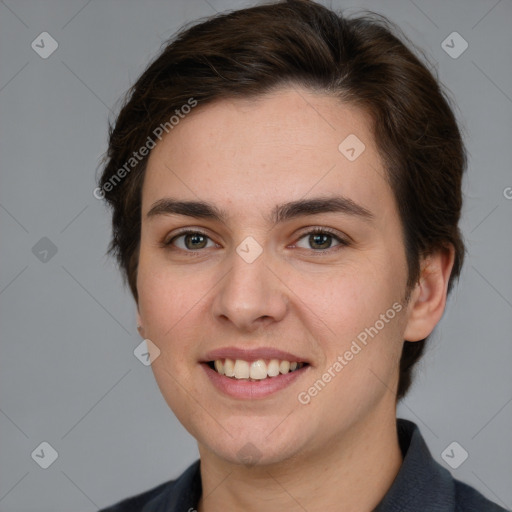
250,390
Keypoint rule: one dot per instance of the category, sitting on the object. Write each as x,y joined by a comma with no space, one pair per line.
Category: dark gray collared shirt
422,485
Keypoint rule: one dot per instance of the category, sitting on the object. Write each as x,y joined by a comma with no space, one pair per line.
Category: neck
352,473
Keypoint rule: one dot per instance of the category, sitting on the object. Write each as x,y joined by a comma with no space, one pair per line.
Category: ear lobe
428,299
140,327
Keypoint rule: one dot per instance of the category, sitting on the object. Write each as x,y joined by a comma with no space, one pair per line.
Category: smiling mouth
261,369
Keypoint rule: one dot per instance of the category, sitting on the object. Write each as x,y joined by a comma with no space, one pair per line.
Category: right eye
189,241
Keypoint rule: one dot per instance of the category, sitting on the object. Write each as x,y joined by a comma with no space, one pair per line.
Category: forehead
271,149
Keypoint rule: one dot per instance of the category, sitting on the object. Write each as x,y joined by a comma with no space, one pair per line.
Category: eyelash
314,231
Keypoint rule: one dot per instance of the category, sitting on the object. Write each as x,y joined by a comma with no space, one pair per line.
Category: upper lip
252,354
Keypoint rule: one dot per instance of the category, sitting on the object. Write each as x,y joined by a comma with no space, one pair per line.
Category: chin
255,447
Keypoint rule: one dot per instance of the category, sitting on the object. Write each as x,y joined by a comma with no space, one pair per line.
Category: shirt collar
182,496
421,483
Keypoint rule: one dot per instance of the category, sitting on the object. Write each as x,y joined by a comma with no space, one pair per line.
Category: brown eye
321,240
190,241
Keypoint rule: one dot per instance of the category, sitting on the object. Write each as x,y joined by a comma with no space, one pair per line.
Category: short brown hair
359,60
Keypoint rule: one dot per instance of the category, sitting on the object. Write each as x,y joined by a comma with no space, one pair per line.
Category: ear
428,298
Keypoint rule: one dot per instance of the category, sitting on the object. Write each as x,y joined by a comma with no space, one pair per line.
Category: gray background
68,375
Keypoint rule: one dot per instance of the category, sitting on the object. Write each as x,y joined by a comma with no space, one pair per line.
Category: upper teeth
258,370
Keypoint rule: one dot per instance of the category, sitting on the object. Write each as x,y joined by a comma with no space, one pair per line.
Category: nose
250,295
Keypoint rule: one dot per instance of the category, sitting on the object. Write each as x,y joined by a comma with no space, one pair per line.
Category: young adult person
285,185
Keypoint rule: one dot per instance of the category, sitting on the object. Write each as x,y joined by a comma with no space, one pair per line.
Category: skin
246,156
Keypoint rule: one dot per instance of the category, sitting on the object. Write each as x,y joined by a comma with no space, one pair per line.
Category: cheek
166,294
348,299
171,309
168,305
358,315
361,343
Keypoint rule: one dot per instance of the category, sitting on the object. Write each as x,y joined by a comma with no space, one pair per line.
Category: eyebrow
280,213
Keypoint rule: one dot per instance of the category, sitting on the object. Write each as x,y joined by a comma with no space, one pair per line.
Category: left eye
321,240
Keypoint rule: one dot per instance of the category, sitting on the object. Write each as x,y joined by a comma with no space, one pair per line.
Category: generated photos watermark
138,156
357,345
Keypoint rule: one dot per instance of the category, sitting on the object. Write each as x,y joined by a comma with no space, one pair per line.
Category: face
304,262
